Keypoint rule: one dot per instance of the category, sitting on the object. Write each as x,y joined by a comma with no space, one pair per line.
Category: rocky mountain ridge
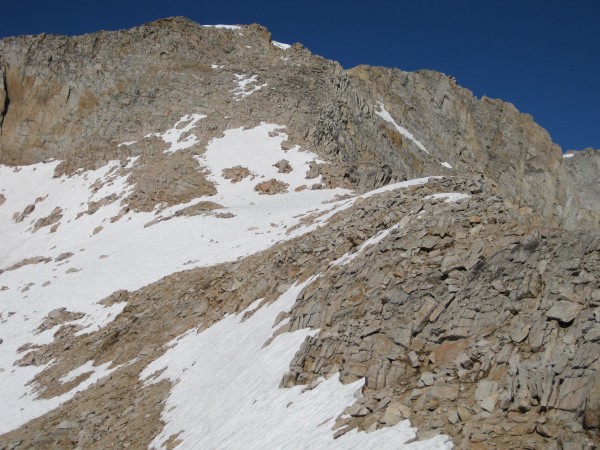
64,94
466,301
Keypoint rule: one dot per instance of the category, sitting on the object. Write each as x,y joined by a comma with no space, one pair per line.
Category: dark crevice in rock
6,100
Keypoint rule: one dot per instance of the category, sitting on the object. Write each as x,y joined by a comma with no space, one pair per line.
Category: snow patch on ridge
399,185
126,144
224,27
86,368
226,391
281,45
23,401
450,197
173,136
342,205
403,131
345,259
258,149
244,86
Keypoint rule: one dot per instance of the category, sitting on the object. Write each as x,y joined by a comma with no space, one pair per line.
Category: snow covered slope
237,390
66,248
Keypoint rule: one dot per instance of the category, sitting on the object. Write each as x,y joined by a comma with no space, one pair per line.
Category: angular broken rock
426,379
486,395
396,412
56,313
271,187
593,335
564,311
591,418
413,359
67,425
444,391
236,173
520,333
283,166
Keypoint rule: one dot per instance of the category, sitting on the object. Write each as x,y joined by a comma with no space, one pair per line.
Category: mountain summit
216,240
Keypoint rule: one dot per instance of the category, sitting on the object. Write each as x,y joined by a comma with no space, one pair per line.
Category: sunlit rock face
215,240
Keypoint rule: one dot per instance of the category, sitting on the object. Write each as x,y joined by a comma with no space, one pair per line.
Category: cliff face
76,98
477,136
583,202
208,233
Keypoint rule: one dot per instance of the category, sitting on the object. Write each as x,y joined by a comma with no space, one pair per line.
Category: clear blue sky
543,56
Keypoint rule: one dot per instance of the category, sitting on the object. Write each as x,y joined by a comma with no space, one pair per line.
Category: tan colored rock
202,207
564,311
236,174
271,187
19,217
591,419
395,413
53,218
28,261
283,166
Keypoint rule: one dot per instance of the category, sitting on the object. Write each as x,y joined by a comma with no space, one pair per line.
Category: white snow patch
23,401
345,259
224,27
255,150
216,66
450,197
94,322
226,392
403,131
447,165
399,185
345,204
244,86
124,254
131,161
87,367
173,135
281,45
126,144
568,155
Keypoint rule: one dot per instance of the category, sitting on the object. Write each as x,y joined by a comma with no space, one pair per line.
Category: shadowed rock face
77,98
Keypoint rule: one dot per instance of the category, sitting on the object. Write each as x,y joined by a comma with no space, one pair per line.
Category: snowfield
91,253
227,392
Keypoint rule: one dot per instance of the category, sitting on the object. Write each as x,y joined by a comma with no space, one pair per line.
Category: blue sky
543,56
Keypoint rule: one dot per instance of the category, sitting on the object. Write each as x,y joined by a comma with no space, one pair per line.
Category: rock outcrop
583,202
77,98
